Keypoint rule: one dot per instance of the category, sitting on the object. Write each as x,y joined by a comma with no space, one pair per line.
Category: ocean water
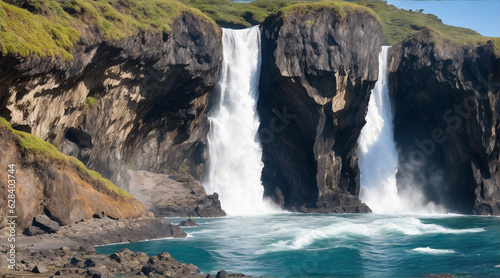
330,245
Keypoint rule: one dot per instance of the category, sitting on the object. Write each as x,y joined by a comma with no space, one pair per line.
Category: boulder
188,223
221,274
34,231
45,223
40,269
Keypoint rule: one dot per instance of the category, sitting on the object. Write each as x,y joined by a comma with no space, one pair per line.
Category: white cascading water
378,159
235,153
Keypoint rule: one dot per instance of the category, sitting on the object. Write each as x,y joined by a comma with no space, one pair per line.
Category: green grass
51,26
229,13
398,24
340,8
50,29
46,152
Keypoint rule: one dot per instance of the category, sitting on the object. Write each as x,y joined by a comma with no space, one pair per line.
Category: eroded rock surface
447,121
317,72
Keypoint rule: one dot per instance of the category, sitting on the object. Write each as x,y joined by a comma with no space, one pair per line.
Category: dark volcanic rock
317,72
221,274
447,121
137,102
188,223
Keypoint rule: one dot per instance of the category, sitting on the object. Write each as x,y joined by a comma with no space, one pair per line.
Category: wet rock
446,122
188,223
221,274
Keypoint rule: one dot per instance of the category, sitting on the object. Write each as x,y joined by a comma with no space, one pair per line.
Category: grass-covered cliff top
397,23
341,8
50,27
44,151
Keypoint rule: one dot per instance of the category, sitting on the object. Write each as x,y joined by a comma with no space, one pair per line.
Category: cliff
59,186
319,63
446,97
128,93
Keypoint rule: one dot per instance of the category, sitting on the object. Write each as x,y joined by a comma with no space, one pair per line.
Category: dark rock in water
188,223
45,223
447,121
34,231
210,276
317,72
209,207
40,269
221,274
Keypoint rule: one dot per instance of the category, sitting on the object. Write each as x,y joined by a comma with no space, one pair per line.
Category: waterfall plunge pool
333,245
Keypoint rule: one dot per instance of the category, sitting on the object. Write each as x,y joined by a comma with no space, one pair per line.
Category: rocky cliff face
446,99
317,71
134,103
53,184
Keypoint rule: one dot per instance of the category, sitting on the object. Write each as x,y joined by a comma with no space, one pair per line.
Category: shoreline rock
100,232
174,195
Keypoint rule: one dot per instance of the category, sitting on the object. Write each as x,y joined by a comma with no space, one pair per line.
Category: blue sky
480,15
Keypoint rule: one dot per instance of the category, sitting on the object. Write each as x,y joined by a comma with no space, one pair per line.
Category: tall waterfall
235,164
378,159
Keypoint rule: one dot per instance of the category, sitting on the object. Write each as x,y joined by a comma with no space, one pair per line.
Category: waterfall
235,165
378,159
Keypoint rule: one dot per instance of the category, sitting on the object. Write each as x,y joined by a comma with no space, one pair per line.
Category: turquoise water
322,245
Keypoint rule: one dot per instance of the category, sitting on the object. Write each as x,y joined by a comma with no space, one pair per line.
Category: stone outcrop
176,194
48,182
446,99
136,102
317,72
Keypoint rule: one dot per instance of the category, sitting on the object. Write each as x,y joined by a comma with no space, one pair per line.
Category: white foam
431,251
302,238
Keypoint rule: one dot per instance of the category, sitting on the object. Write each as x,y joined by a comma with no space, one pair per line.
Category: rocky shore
70,251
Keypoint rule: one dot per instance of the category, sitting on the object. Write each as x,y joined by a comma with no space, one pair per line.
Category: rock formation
134,103
176,195
446,98
48,182
317,72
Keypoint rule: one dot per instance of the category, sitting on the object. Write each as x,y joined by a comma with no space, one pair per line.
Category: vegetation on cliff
50,28
397,24
46,152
